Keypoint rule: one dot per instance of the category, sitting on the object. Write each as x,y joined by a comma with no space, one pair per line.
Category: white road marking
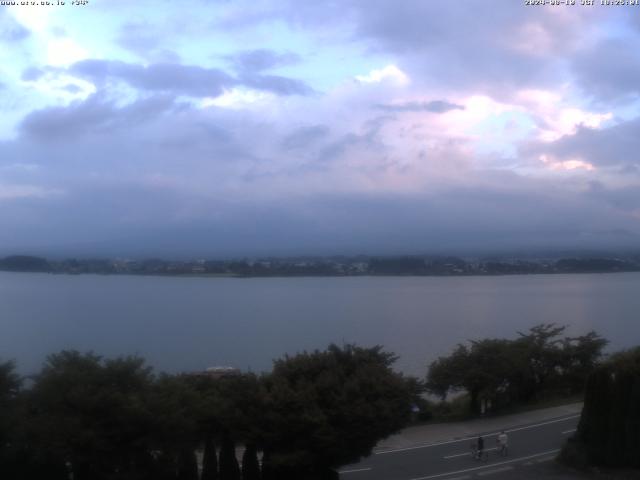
468,454
464,477
355,470
569,431
497,470
547,459
446,474
466,439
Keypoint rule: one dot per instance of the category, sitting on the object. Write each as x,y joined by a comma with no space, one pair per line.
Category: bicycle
482,456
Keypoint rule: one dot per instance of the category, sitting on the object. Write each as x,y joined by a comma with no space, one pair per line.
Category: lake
185,324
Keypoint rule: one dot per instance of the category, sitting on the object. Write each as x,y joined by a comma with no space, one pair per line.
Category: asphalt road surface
451,460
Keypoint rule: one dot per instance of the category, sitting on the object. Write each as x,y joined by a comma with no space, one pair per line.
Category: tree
187,464
503,372
209,460
539,355
10,384
580,357
609,430
482,370
250,465
174,432
230,410
229,468
91,414
329,408
446,374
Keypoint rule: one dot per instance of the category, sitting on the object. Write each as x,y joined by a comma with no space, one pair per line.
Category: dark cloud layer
478,220
616,146
151,169
93,116
178,79
159,178
610,70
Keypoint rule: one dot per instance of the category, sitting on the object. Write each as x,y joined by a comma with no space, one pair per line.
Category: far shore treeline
332,266
115,418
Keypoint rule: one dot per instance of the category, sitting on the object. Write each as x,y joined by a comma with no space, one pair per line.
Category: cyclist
480,447
503,443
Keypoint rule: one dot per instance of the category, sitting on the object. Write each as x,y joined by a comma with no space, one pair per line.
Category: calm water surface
182,324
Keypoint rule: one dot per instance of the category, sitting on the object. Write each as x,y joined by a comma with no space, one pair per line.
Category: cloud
32,74
432,133
187,80
276,84
138,37
623,198
147,40
616,146
13,192
609,70
177,79
64,51
93,116
11,30
434,106
507,47
262,59
159,177
305,137
390,73
250,65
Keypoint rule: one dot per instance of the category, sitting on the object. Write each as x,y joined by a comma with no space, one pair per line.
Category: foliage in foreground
609,431
114,419
330,408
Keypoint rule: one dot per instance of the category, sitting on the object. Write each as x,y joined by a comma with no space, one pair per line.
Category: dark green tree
482,370
174,431
229,468
250,465
329,408
209,460
231,410
91,414
500,372
579,358
10,384
187,464
609,428
539,356
9,387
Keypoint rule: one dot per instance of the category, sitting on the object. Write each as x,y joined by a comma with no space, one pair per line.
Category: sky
278,127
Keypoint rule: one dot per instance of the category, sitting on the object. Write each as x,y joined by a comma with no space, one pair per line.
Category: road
529,444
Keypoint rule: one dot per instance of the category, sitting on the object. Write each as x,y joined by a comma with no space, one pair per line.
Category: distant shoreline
404,266
364,275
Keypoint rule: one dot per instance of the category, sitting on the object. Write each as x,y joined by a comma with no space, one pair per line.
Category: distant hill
24,263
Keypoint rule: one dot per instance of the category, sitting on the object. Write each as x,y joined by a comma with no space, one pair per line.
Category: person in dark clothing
480,445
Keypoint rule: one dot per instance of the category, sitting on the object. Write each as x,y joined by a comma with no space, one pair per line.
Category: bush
609,427
574,454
